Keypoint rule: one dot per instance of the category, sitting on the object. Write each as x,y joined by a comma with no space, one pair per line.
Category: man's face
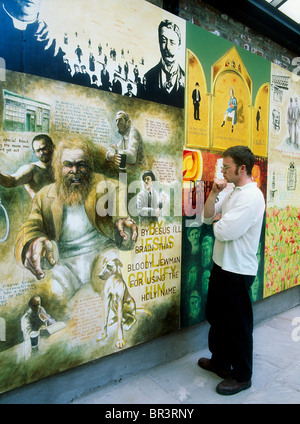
192,277
122,125
169,45
205,280
230,170
194,306
43,151
148,183
74,165
36,304
194,237
207,249
25,10
76,176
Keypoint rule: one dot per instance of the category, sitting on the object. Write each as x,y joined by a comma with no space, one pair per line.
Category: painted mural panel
283,207
197,107
260,118
134,50
108,271
235,87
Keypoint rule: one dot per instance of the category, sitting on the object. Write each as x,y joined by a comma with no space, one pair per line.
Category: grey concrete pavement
276,376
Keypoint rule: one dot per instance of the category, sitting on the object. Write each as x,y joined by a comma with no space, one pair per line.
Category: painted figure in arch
196,96
231,111
258,117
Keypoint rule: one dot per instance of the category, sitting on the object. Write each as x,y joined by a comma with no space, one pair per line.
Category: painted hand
38,249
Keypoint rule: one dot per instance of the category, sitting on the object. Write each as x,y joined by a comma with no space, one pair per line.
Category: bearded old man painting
71,212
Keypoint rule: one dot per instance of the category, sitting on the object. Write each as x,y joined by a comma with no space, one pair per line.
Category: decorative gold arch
196,135
260,127
231,102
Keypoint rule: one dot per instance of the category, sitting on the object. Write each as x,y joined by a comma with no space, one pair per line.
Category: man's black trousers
229,313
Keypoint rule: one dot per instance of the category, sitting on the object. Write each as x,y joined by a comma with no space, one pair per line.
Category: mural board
283,201
103,294
103,45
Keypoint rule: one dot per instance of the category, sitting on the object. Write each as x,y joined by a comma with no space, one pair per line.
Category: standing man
165,81
116,86
237,221
196,101
78,53
258,118
37,174
149,204
105,81
136,73
131,143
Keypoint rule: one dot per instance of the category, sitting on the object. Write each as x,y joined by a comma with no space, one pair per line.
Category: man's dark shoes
230,386
208,365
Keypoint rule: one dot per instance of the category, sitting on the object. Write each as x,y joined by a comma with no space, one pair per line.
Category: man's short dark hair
241,155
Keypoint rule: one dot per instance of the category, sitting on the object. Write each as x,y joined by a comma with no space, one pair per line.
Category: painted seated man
82,212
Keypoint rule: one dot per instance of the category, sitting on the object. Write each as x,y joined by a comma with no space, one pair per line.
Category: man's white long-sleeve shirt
238,232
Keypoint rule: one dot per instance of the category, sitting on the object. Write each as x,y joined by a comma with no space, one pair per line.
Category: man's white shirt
237,234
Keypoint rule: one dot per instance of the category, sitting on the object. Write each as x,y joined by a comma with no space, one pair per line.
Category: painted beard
74,188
